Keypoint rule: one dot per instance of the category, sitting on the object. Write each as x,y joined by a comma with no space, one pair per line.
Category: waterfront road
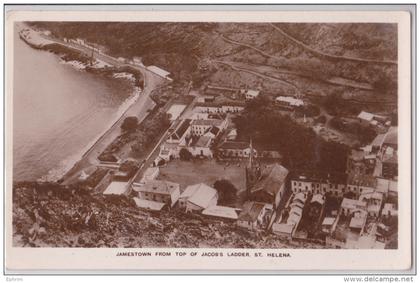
139,108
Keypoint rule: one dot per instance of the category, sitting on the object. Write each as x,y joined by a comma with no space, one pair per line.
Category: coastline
68,164
79,61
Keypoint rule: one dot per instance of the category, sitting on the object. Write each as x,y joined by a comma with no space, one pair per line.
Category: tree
321,119
226,191
130,124
184,154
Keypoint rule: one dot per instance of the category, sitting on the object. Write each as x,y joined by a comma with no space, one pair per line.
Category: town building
159,191
150,174
180,134
391,138
383,186
149,204
200,147
224,106
358,221
251,94
390,166
116,188
289,102
221,212
175,111
389,210
137,61
268,185
361,161
202,126
360,183
327,225
349,206
198,197
232,135
255,216
291,216
318,182
233,149
374,202
160,72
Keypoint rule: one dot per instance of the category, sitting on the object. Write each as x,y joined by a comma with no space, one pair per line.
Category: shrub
184,154
226,191
130,124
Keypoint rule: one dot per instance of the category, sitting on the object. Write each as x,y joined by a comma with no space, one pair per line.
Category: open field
203,171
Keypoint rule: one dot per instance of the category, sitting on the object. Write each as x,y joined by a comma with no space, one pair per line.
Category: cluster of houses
356,208
345,210
197,134
370,119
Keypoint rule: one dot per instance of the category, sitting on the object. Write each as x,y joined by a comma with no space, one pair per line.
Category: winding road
329,56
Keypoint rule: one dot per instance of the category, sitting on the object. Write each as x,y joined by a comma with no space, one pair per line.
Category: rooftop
221,211
352,203
272,178
391,137
158,186
148,204
180,131
366,116
207,122
252,92
291,100
199,194
361,180
234,145
158,71
116,188
203,141
251,211
319,176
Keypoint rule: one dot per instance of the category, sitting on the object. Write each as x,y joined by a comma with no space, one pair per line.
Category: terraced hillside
357,61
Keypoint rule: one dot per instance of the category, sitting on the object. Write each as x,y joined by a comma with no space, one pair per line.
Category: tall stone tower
252,172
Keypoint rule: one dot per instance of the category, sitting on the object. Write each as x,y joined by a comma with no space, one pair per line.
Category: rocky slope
316,53
50,215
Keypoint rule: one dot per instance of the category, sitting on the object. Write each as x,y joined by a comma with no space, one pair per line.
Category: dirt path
329,56
262,75
335,81
264,69
262,52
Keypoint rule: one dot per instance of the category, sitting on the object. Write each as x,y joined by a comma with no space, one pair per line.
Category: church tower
252,172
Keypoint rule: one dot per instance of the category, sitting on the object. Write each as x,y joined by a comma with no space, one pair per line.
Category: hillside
57,216
355,60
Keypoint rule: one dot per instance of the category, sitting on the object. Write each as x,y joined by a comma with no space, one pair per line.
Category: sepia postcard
207,140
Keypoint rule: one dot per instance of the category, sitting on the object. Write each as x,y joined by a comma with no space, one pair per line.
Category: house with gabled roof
270,186
198,197
159,191
255,215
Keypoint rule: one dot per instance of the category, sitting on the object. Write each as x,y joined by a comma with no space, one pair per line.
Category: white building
159,191
201,147
221,212
318,183
201,126
251,94
255,215
160,72
116,188
198,197
289,101
149,175
349,206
